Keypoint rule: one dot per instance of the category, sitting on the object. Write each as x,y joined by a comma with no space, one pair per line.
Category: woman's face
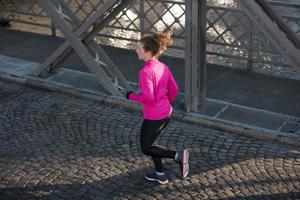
142,54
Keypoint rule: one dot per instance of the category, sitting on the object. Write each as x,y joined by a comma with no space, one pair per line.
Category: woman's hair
157,43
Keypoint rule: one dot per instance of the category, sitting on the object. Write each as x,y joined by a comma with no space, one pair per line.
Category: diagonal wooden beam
51,64
265,19
80,48
65,49
110,67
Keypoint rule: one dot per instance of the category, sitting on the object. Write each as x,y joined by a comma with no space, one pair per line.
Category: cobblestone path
59,147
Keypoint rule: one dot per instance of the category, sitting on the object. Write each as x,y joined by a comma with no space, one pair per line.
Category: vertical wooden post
195,57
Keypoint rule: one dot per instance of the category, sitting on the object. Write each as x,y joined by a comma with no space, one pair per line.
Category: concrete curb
203,120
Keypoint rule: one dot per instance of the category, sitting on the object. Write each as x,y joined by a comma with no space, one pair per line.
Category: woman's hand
127,94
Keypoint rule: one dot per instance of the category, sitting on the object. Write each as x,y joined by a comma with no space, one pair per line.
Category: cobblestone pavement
59,147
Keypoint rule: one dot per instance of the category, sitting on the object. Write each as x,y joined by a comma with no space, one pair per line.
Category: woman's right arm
146,96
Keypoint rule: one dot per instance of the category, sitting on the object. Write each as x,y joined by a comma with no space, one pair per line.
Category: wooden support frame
82,42
274,29
195,58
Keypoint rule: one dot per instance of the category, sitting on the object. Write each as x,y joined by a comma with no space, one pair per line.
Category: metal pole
188,54
202,52
142,17
250,50
195,61
195,53
53,29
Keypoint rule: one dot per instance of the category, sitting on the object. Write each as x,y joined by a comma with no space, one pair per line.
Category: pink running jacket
158,89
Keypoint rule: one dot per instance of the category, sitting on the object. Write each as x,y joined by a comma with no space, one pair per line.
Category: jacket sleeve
172,88
146,96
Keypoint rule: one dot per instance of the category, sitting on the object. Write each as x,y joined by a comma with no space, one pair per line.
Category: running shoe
183,160
162,179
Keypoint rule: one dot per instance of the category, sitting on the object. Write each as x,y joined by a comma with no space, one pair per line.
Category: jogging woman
158,89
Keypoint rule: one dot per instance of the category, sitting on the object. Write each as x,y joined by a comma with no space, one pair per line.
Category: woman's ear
149,54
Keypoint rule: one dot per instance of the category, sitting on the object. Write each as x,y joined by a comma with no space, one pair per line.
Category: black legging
150,130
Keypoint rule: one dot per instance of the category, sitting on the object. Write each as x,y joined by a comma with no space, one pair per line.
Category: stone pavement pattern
59,147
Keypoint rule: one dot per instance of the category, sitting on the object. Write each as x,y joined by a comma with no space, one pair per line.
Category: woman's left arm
172,88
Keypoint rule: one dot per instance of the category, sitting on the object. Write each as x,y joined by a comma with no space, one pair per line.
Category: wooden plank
79,48
65,48
279,38
188,54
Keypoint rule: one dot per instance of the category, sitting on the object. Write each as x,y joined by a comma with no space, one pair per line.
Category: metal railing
232,39
292,18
